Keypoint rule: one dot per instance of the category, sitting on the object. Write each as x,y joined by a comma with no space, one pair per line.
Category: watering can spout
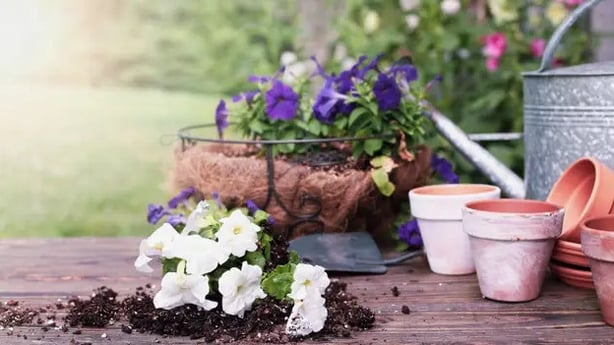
510,184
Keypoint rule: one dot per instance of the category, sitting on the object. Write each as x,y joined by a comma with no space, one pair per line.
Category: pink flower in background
492,64
537,47
494,47
571,3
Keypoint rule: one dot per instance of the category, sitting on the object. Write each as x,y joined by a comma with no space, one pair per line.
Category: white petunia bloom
178,288
412,21
196,219
408,5
308,315
154,245
240,288
288,58
309,281
238,233
202,254
450,7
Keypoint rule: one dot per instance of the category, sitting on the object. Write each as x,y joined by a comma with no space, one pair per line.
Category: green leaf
293,257
169,265
255,258
356,114
278,282
380,178
257,126
315,127
260,216
341,122
372,146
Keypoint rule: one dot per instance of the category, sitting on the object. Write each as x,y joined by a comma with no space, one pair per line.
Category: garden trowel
354,252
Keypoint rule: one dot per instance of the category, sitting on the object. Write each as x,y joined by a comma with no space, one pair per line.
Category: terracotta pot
569,253
512,241
598,245
583,190
438,209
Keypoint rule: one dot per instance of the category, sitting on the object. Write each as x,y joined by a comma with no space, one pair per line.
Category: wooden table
444,309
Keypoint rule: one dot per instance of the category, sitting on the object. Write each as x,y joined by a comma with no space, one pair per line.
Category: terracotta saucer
571,258
573,246
583,190
573,277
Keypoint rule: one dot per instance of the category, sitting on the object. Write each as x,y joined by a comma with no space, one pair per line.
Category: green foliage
170,265
197,45
278,282
450,45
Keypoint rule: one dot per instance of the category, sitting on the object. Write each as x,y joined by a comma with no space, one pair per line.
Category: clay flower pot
438,209
598,245
584,191
512,242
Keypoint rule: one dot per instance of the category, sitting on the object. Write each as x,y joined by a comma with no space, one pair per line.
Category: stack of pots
510,243
585,190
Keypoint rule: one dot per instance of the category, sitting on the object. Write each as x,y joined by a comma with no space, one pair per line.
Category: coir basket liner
301,199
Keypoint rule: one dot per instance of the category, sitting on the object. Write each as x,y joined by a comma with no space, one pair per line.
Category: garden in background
87,141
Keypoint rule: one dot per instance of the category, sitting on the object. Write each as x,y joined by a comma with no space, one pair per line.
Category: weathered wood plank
444,309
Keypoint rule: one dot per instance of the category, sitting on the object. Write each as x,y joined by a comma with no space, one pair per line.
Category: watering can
568,114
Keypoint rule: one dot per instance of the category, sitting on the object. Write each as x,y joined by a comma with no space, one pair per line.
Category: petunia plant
366,100
217,258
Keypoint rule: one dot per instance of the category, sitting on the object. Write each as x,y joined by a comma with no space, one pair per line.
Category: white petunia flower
408,5
202,254
288,58
308,315
294,71
240,288
450,7
238,233
309,281
178,288
154,245
196,219
412,21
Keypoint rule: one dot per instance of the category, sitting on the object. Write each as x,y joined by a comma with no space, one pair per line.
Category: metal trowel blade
340,252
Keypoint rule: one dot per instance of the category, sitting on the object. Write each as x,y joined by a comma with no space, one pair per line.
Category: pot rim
438,191
550,209
597,239
572,230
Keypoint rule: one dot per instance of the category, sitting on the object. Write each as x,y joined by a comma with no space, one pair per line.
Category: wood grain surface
444,309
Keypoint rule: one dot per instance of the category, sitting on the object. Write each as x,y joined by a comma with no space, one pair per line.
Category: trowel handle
561,31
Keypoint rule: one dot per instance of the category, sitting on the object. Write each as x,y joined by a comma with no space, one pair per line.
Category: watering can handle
561,30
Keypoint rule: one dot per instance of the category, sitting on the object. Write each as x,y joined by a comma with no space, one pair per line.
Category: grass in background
80,161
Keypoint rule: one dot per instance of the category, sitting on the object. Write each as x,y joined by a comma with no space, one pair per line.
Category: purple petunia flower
281,101
371,66
410,234
155,213
327,102
247,96
258,79
218,201
444,169
387,92
180,198
407,72
221,118
176,219
251,206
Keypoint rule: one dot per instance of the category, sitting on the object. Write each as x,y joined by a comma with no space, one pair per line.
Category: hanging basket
320,191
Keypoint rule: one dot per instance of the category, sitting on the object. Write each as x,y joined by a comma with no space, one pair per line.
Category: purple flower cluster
156,212
253,208
281,101
388,88
410,234
443,168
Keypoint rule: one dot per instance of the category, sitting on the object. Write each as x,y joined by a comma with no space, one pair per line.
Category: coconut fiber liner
348,198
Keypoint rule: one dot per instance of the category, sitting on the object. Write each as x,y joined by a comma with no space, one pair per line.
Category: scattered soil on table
12,314
395,291
405,309
101,309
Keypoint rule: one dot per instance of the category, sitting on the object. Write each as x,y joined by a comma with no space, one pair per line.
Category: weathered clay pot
598,245
584,191
438,211
512,241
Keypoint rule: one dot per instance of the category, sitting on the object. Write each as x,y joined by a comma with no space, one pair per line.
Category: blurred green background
92,92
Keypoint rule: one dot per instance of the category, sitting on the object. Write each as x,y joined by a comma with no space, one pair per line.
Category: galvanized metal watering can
568,114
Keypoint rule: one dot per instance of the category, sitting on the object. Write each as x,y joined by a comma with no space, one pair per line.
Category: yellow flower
556,12
503,10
